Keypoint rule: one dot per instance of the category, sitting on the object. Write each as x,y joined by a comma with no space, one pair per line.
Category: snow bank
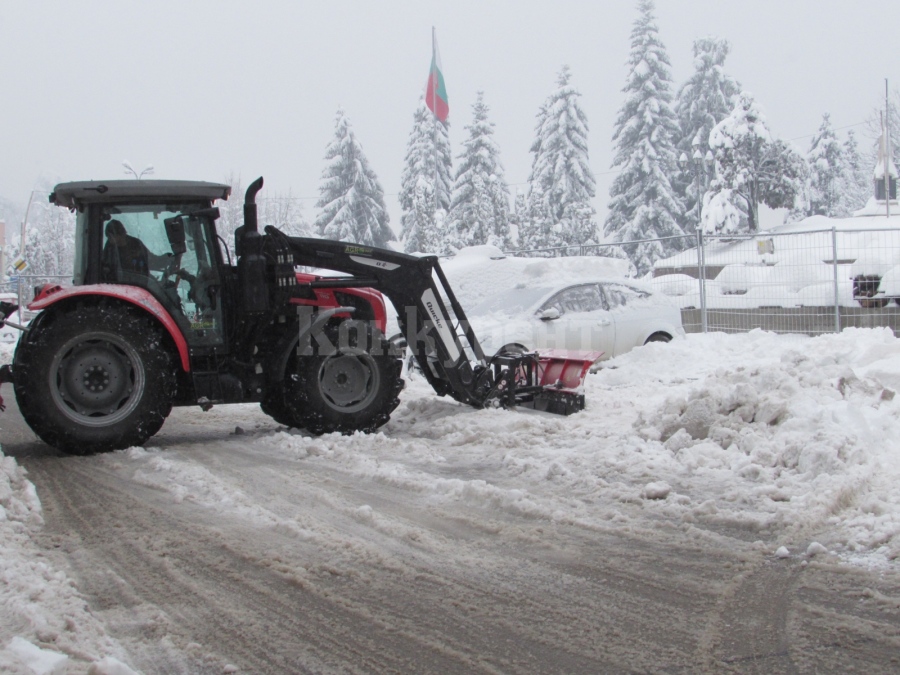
45,626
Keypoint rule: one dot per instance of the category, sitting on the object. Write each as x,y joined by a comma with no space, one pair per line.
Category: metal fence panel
808,282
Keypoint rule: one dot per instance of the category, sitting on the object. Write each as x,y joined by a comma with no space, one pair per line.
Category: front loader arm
438,334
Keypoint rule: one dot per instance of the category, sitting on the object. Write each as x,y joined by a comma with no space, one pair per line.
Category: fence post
701,273
837,300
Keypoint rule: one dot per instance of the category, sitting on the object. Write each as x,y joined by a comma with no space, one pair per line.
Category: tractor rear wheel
353,387
94,378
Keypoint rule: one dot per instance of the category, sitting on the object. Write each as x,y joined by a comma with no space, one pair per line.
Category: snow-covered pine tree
858,176
875,127
561,184
517,217
286,213
827,173
350,196
49,240
479,211
751,168
643,204
421,223
702,102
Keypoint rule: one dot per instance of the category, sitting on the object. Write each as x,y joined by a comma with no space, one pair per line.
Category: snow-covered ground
795,440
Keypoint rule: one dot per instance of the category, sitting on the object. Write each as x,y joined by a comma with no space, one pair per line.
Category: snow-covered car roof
477,272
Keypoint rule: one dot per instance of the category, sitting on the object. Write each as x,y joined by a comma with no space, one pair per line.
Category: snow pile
45,627
800,436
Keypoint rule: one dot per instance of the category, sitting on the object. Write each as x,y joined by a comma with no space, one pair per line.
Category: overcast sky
202,89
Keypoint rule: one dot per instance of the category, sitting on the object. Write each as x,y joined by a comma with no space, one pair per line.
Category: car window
581,298
621,295
511,302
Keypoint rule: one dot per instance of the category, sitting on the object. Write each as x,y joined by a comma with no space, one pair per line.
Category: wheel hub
95,379
347,381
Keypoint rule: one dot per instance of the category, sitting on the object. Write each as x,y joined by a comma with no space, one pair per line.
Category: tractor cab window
169,250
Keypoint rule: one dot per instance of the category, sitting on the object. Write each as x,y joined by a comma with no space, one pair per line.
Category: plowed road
212,552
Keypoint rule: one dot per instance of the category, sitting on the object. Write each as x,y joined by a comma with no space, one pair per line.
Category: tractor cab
129,234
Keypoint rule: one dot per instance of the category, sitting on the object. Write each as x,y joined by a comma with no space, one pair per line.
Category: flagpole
434,112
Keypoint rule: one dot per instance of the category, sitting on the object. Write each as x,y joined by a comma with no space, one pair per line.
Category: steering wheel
170,270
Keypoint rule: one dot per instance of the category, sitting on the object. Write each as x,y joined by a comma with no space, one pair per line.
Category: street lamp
147,170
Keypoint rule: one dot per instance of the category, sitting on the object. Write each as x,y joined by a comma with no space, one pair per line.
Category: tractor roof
100,191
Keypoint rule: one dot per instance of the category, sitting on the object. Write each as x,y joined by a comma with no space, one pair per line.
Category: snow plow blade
551,380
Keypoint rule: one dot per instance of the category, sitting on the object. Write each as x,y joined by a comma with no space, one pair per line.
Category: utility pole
887,151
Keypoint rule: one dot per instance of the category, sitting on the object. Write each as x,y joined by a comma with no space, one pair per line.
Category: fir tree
350,196
285,213
643,204
422,213
827,173
702,102
858,179
875,127
517,218
751,168
50,240
479,212
561,184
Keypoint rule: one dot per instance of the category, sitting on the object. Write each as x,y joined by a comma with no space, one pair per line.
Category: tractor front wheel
94,378
353,387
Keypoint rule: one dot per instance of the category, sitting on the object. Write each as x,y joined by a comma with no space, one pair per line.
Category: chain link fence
803,281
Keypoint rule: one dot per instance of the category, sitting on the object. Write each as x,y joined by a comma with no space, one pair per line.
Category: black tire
512,349
658,337
275,407
355,388
94,377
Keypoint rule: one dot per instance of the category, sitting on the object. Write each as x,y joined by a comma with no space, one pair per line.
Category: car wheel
511,350
659,337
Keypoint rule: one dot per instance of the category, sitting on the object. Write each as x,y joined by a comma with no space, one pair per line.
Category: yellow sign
20,264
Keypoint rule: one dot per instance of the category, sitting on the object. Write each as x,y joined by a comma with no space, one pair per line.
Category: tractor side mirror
175,234
212,213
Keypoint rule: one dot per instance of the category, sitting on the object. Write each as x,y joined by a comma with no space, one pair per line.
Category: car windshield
511,302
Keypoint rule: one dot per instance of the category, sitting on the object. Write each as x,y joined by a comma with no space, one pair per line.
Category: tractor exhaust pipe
250,218
248,245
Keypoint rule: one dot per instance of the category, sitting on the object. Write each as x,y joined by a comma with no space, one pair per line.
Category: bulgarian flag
435,90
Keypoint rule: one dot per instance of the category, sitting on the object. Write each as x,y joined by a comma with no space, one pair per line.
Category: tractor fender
50,294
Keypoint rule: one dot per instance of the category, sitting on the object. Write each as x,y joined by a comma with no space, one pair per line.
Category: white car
608,315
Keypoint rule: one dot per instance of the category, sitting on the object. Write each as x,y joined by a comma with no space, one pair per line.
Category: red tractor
160,316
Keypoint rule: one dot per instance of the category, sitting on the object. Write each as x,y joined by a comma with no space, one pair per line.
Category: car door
577,318
633,316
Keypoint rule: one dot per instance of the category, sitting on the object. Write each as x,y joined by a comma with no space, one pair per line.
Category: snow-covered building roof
792,264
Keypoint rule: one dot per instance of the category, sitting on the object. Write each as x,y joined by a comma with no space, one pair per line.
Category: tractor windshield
167,249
